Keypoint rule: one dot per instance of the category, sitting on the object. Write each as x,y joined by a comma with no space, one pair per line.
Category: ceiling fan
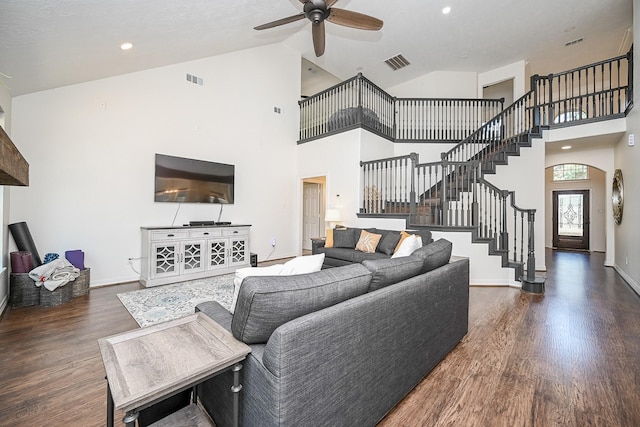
317,11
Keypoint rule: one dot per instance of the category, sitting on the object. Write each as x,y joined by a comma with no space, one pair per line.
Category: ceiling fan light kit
317,11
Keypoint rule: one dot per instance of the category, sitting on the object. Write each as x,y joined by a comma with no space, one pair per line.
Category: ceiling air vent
397,62
572,42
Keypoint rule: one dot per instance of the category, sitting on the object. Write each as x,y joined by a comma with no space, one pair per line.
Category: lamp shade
332,215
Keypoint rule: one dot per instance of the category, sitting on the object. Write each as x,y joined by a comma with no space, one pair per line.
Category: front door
571,219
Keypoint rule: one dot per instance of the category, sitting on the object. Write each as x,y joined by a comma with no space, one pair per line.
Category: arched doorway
575,207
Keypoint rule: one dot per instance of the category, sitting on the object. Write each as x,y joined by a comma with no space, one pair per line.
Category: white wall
515,71
337,158
91,150
627,159
438,84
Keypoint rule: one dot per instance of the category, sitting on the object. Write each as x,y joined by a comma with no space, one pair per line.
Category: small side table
145,366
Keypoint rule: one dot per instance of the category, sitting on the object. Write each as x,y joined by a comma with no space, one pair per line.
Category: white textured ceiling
51,43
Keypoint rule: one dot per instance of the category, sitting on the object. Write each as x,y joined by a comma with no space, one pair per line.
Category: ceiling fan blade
279,22
318,38
354,19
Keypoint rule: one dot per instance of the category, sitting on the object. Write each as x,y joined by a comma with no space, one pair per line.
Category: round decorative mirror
617,197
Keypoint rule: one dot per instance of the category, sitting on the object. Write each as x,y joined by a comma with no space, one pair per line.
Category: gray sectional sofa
343,251
341,346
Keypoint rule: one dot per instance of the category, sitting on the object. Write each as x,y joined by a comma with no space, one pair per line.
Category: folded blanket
54,274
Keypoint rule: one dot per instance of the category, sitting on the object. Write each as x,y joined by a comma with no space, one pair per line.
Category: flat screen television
183,180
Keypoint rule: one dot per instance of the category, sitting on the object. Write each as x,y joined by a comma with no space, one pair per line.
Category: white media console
176,254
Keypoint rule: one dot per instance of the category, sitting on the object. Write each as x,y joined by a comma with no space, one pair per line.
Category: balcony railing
599,91
358,102
589,93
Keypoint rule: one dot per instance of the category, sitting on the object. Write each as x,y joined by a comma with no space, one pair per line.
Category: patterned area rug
168,302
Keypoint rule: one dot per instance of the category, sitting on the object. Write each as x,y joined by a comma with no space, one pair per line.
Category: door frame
569,242
321,181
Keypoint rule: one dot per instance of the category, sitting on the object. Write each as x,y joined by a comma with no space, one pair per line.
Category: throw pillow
425,234
408,246
368,242
302,265
403,235
328,242
389,242
434,254
265,303
343,238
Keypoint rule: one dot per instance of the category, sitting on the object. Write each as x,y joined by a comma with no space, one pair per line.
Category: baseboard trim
632,283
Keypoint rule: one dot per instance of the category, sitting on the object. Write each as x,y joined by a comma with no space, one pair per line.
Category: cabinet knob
206,233
235,232
170,235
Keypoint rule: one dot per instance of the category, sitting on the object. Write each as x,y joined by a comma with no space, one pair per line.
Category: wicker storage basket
23,291
58,296
80,286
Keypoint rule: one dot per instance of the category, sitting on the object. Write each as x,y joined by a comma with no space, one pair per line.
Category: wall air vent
194,79
397,62
572,42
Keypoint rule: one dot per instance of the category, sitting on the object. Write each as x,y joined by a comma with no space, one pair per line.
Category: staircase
454,194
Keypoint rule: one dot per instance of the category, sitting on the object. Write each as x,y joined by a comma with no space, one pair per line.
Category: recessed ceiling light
569,29
566,147
446,10
126,46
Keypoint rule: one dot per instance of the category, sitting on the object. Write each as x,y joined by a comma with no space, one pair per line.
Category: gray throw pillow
388,242
266,302
434,254
344,238
389,271
425,235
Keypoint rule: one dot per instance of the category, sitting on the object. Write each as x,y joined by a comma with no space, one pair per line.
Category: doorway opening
313,207
571,219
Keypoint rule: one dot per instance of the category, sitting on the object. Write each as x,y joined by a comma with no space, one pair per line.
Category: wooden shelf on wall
14,169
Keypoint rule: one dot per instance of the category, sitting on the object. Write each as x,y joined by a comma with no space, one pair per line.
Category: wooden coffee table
145,366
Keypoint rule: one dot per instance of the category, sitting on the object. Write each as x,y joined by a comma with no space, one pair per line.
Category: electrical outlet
273,242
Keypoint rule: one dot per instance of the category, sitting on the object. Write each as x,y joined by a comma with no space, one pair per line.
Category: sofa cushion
368,242
434,255
343,254
388,242
389,271
264,303
345,238
361,256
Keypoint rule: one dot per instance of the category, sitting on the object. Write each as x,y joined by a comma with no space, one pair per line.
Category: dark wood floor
570,357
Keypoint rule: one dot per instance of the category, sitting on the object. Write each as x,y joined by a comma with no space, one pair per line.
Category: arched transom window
570,172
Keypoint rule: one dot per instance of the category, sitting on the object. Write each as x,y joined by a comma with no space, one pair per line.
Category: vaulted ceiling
51,43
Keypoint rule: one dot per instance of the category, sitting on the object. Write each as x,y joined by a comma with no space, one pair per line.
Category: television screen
184,180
